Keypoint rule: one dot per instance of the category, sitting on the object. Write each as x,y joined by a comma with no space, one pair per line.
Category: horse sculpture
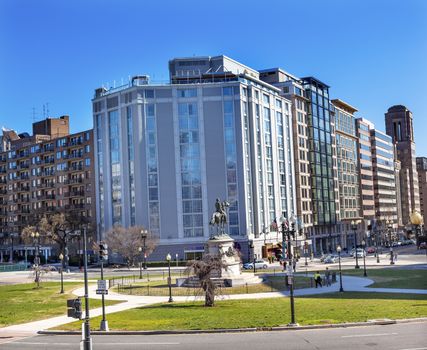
219,218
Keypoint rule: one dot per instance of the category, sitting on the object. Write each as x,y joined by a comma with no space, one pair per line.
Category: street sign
102,291
102,284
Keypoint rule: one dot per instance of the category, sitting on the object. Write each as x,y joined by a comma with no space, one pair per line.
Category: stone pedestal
231,274
224,245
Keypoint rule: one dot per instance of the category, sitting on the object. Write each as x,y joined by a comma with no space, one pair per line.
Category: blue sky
372,53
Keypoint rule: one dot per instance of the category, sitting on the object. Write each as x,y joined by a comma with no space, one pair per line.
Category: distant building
422,181
42,174
383,166
399,125
366,177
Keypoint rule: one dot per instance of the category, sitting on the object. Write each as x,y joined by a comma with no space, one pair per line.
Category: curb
242,330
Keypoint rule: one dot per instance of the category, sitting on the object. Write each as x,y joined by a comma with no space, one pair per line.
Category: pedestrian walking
318,279
327,277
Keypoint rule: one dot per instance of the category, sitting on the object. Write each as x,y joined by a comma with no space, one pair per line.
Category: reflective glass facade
98,121
152,168
320,152
131,158
231,159
116,173
191,188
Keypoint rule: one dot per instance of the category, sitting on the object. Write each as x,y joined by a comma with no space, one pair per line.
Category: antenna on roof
47,109
34,114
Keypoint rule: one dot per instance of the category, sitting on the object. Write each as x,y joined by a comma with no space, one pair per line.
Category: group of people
327,281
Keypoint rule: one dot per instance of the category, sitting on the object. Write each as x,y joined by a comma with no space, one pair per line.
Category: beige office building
366,177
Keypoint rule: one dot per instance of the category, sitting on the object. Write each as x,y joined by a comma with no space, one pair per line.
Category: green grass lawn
328,308
21,303
160,288
393,277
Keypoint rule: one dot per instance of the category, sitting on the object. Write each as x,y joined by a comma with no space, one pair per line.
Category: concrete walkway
350,284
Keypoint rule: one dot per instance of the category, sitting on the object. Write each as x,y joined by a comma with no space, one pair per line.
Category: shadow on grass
366,295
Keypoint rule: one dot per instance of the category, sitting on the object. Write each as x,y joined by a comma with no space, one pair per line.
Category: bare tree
57,228
127,241
205,269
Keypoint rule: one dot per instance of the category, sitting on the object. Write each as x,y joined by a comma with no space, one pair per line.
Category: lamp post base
341,290
293,324
104,326
357,267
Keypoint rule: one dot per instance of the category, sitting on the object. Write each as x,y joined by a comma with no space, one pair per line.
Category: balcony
49,160
78,167
48,184
24,189
25,210
76,181
75,142
77,193
75,155
24,166
48,173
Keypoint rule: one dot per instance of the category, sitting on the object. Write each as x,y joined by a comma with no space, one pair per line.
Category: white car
259,264
360,253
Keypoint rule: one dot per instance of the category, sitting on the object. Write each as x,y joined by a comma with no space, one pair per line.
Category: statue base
231,274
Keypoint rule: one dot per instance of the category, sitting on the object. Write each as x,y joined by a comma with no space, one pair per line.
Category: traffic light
74,308
103,251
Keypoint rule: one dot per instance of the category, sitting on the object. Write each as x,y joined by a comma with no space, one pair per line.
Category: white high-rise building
165,152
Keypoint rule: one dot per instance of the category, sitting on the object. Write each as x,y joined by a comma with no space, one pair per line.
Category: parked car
259,264
370,250
423,245
331,259
360,253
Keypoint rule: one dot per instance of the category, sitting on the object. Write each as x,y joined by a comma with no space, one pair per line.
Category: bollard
247,289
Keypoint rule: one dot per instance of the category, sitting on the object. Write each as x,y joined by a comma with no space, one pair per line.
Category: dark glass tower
320,131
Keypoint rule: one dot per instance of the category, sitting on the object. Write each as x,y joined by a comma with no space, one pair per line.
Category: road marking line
367,335
103,344
414,349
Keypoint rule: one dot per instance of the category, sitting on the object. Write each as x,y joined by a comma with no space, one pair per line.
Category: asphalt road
406,336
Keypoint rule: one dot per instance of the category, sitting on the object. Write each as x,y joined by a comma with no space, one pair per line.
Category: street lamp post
35,236
417,220
144,234
376,246
364,261
61,257
305,252
287,232
140,264
389,227
168,259
354,228
87,341
339,264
